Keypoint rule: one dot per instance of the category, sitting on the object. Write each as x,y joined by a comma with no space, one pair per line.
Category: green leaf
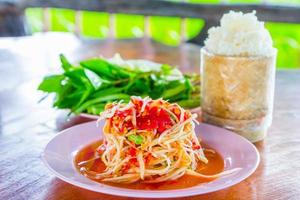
84,97
157,91
166,69
51,83
188,87
78,78
139,87
170,93
61,96
158,86
69,99
105,69
94,79
66,102
108,91
190,103
65,63
96,109
137,139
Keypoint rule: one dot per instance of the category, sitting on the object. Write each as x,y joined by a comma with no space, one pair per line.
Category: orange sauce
215,165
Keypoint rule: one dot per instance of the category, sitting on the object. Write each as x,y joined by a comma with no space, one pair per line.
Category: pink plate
237,153
89,116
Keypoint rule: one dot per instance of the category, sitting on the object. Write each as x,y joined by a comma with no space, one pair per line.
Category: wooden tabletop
26,126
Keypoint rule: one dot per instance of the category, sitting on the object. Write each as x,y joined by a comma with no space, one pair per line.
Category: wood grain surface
26,126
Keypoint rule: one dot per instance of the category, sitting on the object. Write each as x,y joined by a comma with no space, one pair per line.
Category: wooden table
26,125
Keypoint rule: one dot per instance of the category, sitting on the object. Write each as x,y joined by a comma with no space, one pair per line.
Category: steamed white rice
240,35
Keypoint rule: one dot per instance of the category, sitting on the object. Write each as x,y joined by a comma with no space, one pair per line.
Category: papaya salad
147,140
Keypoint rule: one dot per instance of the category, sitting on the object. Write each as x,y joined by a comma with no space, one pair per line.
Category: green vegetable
65,63
105,69
137,139
89,86
51,83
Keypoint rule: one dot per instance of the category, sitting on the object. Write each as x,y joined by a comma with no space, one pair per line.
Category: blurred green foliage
165,29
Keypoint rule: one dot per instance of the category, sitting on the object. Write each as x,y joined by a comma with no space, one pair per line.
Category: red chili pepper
133,161
186,116
126,167
132,152
157,119
196,147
